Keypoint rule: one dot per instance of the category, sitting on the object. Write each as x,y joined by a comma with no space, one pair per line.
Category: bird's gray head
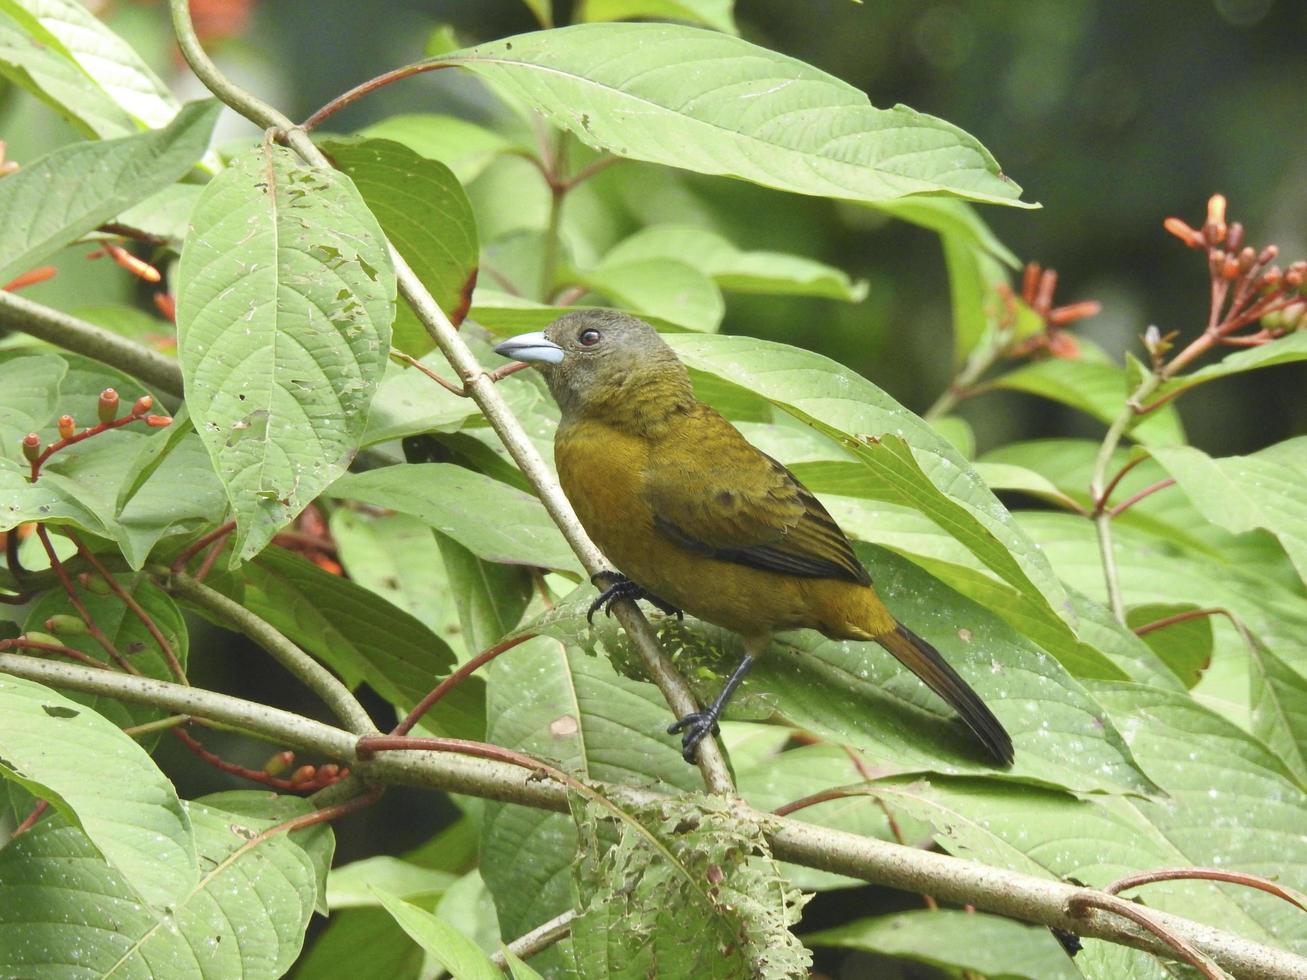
606,364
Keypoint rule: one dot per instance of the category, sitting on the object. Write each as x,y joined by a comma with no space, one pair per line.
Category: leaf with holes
426,215
716,104
284,304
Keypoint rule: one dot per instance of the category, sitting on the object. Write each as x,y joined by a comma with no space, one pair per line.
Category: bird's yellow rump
697,519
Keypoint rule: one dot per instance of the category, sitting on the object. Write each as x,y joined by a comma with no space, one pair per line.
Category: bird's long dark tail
927,663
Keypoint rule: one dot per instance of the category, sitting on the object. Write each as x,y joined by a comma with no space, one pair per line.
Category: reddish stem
22,643
1112,484
1080,903
371,85
72,440
1177,618
1145,492
195,547
30,820
165,648
92,627
825,796
453,680
1204,874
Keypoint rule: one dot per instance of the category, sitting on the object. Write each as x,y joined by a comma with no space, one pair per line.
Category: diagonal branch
481,388
1047,901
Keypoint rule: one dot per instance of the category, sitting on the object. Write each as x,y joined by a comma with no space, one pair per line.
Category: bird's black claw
697,726
622,587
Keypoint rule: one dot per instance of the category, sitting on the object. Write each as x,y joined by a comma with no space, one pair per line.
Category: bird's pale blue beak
531,347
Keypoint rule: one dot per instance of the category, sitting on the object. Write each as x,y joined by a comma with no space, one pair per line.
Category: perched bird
697,519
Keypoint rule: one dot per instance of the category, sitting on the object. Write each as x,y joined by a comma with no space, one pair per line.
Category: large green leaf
426,215
710,13
63,195
931,477
1099,390
951,939
244,915
48,73
490,597
284,303
715,104
489,518
102,782
361,944
107,59
734,269
1267,489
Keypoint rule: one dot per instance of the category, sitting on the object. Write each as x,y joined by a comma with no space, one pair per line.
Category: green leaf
542,10
931,478
245,915
668,289
125,631
951,939
950,218
29,395
63,195
285,298
425,213
1012,478
1267,489
716,14
455,952
1284,350
45,71
166,215
1185,647
107,59
355,632
1279,703
517,968
48,501
715,104
1099,390
101,781
734,269
490,597
489,518
464,147
361,944
856,694
355,885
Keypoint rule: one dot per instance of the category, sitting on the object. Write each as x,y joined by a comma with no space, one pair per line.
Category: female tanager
697,519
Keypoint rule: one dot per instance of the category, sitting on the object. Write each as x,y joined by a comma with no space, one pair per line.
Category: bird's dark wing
731,501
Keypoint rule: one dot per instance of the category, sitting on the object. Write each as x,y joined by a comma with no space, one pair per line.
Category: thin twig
1099,505
92,627
1204,874
310,785
1081,903
161,641
195,547
541,937
30,820
23,643
453,680
1179,617
1135,498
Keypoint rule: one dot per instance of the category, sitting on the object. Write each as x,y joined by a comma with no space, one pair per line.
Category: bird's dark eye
588,338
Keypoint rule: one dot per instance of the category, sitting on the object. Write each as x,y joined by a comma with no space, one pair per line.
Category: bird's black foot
621,587
696,727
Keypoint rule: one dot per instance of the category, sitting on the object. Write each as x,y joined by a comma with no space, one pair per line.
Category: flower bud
67,427
1182,231
1234,238
65,625
108,405
1246,258
302,775
143,405
1230,267
279,762
31,447
1214,229
97,586
32,636
328,772
158,421
1268,254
